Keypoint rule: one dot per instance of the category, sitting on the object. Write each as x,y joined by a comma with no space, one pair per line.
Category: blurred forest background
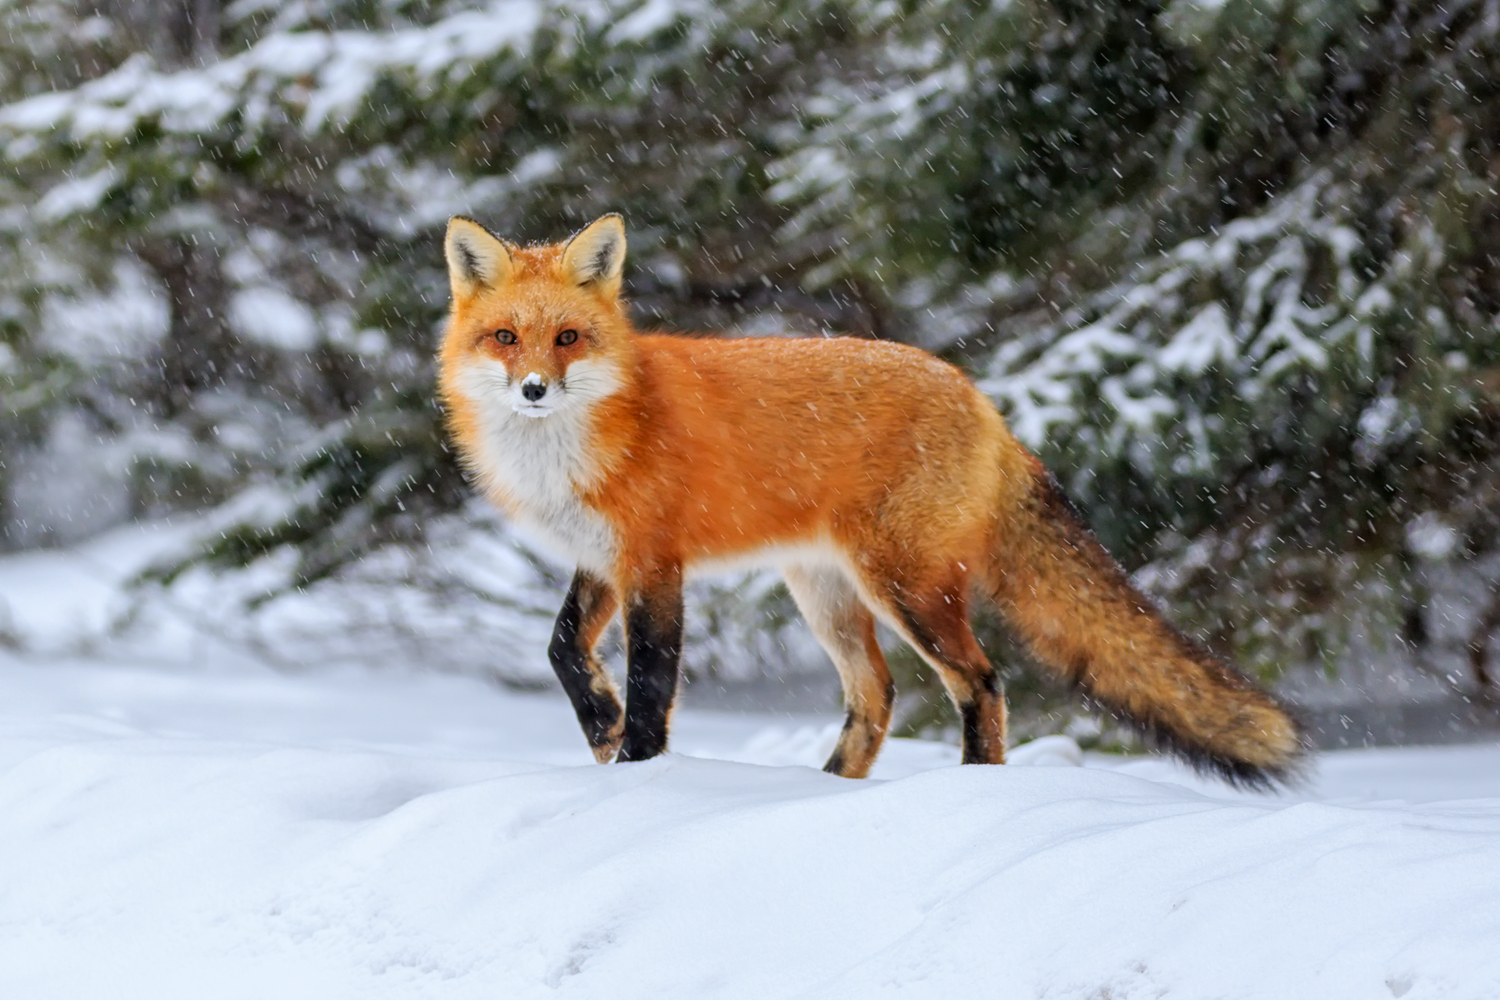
1232,267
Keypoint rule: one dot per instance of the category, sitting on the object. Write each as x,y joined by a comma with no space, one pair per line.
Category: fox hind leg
931,611
845,628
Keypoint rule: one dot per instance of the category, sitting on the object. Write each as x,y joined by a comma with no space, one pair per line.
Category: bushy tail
1074,606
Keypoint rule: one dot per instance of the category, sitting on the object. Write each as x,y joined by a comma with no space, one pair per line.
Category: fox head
535,330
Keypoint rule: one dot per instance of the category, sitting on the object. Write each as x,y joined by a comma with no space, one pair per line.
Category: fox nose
533,391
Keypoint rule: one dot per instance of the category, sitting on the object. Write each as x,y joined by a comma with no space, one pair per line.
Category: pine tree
1229,267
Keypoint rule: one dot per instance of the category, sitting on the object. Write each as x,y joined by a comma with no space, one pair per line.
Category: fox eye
566,337
505,337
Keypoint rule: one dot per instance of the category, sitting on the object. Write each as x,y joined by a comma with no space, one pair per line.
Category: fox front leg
653,639
585,612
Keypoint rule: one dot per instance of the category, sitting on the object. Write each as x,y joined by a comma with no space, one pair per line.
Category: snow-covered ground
201,826
243,833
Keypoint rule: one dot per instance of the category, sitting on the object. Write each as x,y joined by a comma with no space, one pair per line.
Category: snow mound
192,851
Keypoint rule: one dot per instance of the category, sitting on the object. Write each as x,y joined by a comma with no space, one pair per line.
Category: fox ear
476,258
596,254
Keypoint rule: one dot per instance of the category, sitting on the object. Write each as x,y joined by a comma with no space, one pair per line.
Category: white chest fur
539,465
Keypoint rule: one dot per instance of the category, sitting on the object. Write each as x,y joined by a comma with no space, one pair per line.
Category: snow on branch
321,79
1149,365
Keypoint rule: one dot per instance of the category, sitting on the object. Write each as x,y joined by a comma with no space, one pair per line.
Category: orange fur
877,474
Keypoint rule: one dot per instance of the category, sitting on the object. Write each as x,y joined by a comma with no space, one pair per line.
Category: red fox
875,476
